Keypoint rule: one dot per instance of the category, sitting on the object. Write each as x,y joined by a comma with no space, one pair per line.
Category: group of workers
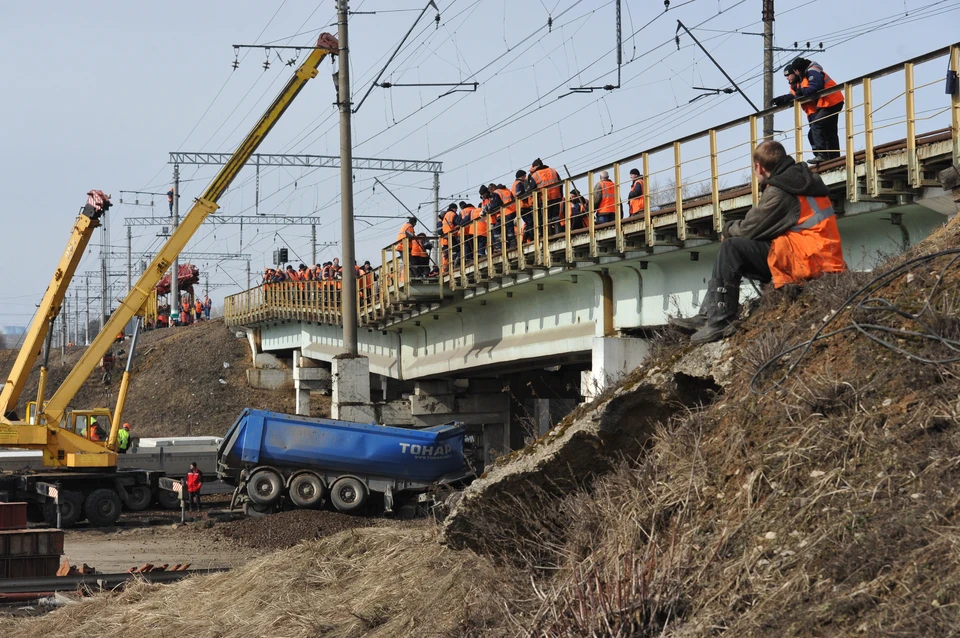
329,276
96,432
506,213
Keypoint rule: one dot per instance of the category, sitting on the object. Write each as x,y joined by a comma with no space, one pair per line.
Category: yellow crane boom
87,221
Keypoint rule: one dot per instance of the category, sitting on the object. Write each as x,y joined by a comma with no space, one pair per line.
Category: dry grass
367,582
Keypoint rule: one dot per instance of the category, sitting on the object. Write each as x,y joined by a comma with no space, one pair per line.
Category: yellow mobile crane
85,480
88,220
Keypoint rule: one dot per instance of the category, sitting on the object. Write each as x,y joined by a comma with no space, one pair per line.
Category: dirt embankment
180,386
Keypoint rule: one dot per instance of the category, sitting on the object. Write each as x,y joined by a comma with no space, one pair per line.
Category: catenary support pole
349,294
86,325
248,274
767,66
313,246
436,219
175,268
104,290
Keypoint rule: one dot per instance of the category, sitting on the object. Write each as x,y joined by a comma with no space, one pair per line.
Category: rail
685,197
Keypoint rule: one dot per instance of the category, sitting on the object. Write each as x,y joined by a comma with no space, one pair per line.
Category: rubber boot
721,315
699,320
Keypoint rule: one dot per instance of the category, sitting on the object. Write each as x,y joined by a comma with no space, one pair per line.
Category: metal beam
259,220
310,161
189,255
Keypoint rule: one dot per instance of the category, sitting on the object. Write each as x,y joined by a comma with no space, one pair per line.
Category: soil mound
363,582
179,387
286,529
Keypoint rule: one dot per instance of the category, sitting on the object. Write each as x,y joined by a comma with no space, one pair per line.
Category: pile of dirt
286,529
363,582
180,384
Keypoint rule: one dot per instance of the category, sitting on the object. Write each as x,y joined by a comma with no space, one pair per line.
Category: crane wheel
70,510
306,490
348,494
138,498
265,487
103,507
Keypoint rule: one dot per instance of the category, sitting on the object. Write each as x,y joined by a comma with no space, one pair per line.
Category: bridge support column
351,389
612,359
307,376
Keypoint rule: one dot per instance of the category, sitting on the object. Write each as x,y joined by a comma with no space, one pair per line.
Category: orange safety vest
467,213
405,230
550,179
636,203
525,202
479,222
448,225
608,202
823,102
509,202
810,248
198,307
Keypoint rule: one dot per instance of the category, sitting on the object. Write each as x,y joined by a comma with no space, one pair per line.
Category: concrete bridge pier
351,389
612,358
308,375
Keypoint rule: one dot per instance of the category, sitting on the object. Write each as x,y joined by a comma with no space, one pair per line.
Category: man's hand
781,100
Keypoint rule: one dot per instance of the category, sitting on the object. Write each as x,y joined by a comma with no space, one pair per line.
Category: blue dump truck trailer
275,459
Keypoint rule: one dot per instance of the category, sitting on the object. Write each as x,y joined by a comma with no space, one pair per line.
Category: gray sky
97,93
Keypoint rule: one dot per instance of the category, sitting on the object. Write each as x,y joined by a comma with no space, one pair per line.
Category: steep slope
176,389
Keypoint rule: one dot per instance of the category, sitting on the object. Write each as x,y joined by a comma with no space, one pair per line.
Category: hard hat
126,425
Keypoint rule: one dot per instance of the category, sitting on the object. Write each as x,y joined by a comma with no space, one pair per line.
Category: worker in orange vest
185,312
502,204
604,199
806,78
466,223
520,187
449,223
480,227
198,310
419,258
636,192
548,180
788,237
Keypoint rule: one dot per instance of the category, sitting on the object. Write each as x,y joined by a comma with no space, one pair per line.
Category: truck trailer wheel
103,507
138,498
168,499
306,490
70,510
265,487
348,494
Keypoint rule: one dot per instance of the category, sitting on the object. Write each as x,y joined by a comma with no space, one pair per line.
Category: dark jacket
778,209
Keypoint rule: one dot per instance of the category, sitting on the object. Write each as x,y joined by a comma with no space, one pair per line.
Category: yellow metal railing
684,195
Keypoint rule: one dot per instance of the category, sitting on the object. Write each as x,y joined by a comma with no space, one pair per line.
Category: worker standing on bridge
548,181
604,199
194,483
520,187
636,192
806,78
123,439
790,236
449,222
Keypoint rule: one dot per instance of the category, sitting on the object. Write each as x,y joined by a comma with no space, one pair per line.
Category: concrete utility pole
86,326
76,317
436,216
129,258
175,268
349,291
767,66
313,246
248,274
